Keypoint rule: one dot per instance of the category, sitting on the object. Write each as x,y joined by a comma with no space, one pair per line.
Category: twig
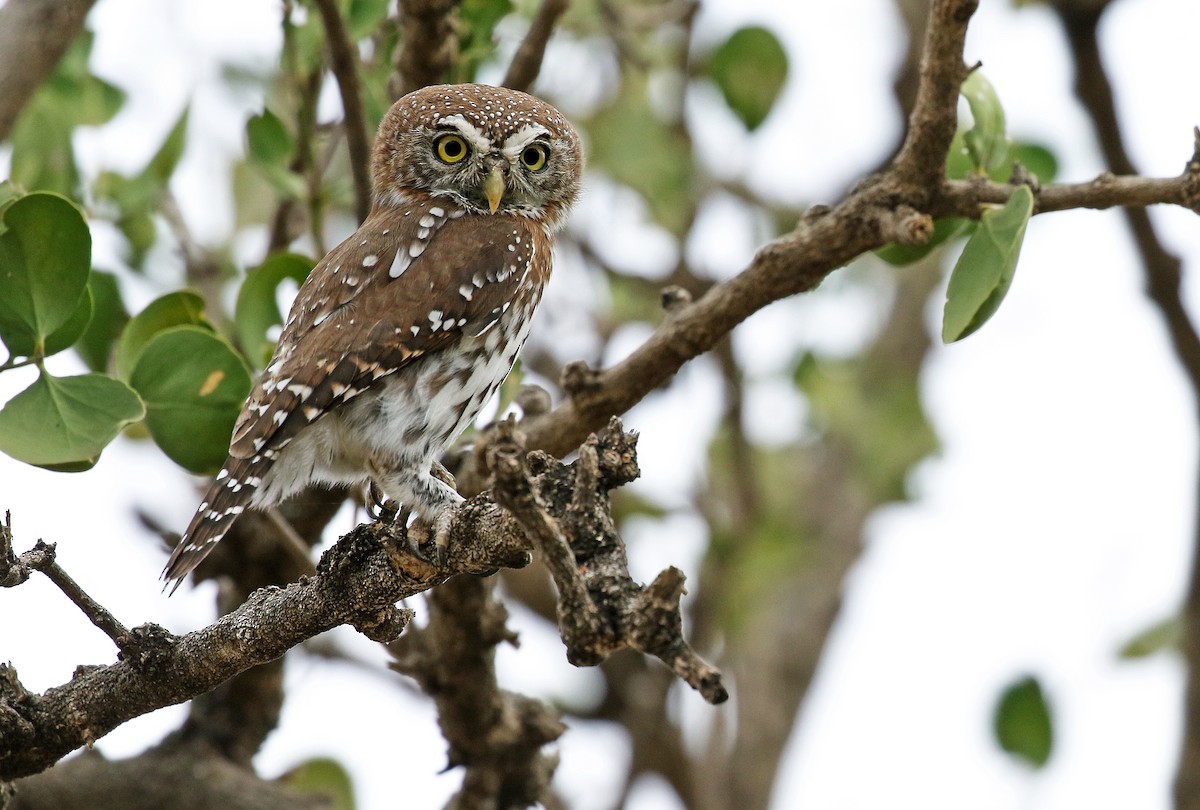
15,570
342,63
527,61
964,198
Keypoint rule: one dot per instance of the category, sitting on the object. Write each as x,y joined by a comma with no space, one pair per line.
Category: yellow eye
533,157
450,148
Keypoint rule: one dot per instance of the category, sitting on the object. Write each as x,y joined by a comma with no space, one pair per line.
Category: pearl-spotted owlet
402,333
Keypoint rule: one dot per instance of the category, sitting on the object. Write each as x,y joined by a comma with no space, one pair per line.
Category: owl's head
489,149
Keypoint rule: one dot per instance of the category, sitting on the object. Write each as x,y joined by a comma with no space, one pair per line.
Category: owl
404,331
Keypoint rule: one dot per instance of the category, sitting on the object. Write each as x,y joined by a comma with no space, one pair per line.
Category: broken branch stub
565,511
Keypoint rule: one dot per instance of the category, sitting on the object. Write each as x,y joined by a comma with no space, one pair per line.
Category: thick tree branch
430,47
34,34
358,582
934,118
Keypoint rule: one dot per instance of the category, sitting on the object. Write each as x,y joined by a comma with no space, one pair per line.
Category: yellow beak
493,188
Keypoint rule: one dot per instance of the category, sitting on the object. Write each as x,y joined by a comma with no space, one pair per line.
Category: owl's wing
411,281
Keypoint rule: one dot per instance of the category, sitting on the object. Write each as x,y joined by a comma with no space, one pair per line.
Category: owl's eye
450,148
533,157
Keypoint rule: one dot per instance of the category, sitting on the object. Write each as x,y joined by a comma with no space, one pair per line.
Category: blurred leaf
63,423
637,148
42,156
477,20
10,192
1159,637
173,309
363,17
268,141
878,416
193,384
323,776
163,164
986,140
749,69
943,230
985,270
1022,722
285,181
257,311
1036,158
108,319
45,258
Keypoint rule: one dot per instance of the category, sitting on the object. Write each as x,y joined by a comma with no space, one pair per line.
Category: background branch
34,34
343,61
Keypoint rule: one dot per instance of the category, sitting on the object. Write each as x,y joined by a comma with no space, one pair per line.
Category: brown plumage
406,329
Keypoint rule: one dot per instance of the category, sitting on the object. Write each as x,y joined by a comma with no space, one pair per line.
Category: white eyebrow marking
477,139
514,143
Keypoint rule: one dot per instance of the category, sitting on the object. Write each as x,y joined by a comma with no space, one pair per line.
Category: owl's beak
493,187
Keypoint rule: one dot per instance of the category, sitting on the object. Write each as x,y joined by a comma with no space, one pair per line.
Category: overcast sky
1054,525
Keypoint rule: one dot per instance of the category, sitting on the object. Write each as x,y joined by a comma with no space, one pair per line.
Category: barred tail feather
227,497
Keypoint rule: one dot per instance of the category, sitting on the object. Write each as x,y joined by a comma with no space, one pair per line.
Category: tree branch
527,62
934,118
1164,276
357,582
897,204
430,47
342,62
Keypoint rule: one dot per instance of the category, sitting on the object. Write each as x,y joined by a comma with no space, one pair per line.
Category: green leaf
289,184
323,776
108,319
1022,722
193,384
477,20
163,164
638,149
749,69
10,192
986,140
1158,637
256,311
268,140
363,17
1038,159
943,230
45,258
173,309
984,271
63,423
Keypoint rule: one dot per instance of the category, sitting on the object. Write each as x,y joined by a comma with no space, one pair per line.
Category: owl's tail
227,497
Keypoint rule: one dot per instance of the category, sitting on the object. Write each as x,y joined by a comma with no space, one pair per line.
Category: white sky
1054,525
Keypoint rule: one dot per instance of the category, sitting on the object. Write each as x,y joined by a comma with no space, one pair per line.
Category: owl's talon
417,534
379,506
